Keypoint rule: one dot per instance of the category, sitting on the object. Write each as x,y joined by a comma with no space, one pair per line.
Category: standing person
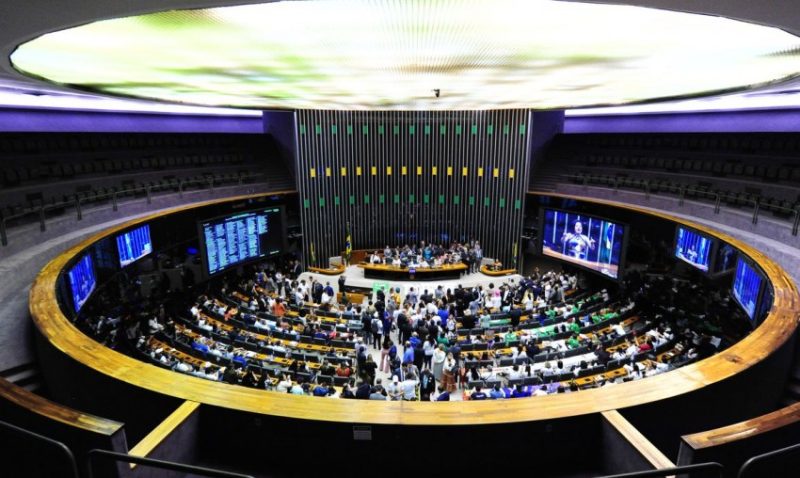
387,344
439,356
427,348
342,280
427,385
377,329
449,376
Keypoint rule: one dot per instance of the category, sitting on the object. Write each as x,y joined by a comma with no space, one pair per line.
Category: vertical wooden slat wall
402,177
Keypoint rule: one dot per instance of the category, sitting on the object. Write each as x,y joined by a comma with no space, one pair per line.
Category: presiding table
385,271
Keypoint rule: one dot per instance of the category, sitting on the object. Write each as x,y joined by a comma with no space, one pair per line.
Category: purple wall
777,121
37,120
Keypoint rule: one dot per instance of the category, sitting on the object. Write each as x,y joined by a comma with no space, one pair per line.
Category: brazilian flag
348,244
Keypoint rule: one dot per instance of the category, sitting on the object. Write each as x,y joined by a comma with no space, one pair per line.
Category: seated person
478,394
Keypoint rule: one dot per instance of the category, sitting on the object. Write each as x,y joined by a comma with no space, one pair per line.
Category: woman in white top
439,356
428,348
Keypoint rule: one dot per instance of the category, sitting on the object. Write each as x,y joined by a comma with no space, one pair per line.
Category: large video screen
133,245
693,248
82,281
583,240
232,240
746,287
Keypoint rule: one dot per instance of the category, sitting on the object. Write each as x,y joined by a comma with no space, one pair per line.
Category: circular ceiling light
412,55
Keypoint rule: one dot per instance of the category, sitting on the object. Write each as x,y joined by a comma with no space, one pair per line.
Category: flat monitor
133,245
232,240
588,241
747,283
82,281
693,248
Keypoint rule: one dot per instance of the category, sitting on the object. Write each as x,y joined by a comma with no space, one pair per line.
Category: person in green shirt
610,315
485,320
573,342
574,327
596,318
510,337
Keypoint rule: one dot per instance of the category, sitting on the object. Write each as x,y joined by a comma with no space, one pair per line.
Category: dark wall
282,129
548,125
403,177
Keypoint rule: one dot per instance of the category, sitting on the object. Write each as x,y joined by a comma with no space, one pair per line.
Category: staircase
26,376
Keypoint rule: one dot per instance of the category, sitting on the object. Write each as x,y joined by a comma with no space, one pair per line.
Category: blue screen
693,248
584,240
746,286
235,239
82,281
134,245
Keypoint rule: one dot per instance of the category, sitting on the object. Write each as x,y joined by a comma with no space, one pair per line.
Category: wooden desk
328,271
384,271
485,269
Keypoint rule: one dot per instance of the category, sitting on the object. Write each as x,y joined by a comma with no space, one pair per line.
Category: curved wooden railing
776,329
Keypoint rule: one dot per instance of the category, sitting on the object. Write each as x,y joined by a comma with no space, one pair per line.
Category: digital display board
133,245
747,284
82,281
392,55
584,240
232,240
693,248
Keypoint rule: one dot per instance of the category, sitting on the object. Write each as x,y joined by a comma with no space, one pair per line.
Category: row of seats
721,168
24,174
750,143
90,195
61,143
779,207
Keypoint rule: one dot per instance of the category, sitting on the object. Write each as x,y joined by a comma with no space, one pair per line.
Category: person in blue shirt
519,392
444,395
414,340
321,390
408,353
496,392
478,394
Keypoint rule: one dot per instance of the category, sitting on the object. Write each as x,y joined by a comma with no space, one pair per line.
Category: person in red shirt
343,370
278,309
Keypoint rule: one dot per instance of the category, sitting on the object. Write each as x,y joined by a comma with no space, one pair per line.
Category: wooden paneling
775,330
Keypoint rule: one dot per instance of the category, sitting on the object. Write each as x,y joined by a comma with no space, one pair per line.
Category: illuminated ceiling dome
384,54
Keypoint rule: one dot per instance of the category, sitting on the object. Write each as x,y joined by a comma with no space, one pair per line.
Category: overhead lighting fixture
359,54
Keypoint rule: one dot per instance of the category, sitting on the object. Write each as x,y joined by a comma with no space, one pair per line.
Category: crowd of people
430,255
422,344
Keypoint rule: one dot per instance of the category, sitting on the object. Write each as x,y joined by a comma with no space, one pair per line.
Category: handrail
94,454
705,468
71,467
615,183
745,469
79,202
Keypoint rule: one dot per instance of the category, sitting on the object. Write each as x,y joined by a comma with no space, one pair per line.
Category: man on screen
577,244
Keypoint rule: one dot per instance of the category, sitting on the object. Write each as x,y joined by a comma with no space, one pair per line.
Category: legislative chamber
287,238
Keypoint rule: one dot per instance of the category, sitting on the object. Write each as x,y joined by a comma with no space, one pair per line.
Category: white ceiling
22,20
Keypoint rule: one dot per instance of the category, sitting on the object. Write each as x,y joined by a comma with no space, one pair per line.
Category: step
21,372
